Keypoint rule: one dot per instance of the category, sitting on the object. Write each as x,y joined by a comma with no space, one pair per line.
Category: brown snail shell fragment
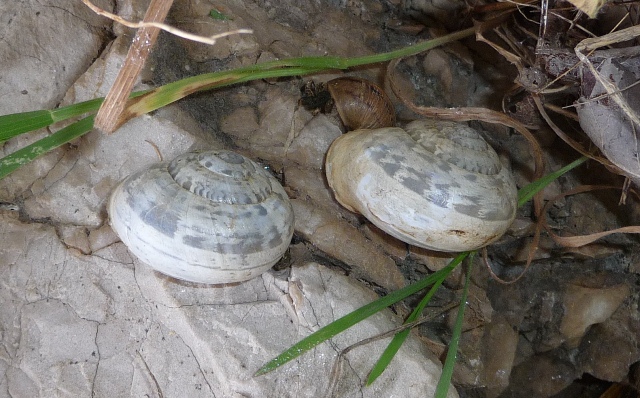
361,104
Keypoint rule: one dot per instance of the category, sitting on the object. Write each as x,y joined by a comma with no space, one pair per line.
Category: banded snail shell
435,184
209,217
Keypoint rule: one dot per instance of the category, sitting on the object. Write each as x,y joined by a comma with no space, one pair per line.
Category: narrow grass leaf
524,195
15,124
400,337
24,122
280,68
79,109
528,191
75,110
25,155
18,123
354,317
442,388
177,90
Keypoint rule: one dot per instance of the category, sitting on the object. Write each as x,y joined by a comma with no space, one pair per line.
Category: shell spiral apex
436,185
209,217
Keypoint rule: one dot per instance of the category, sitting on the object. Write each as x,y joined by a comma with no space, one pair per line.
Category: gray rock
38,64
79,316
108,325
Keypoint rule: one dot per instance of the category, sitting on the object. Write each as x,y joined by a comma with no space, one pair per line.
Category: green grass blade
345,63
25,155
301,66
524,195
528,191
340,325
177,90
447,370
400,337
81,108
18,123
24,122
76,110
15,124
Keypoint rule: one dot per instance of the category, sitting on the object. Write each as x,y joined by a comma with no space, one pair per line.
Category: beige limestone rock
106,325
585,306
341,240
37,63
77,185
308,149
499,345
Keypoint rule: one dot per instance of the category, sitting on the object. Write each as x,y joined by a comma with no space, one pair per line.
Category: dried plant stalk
145,38
211,40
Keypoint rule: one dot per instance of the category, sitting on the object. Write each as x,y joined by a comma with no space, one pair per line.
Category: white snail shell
435,184
210,217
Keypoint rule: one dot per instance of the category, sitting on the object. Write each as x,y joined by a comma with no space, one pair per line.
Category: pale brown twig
136,57
211,40
108,116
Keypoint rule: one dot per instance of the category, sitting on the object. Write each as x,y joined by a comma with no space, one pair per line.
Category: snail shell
361,104
435,184
209,217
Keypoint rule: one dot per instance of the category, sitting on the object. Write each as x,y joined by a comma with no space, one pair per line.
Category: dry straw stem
589,7
581,240
536,92
139,50
587,46
108,116
211,40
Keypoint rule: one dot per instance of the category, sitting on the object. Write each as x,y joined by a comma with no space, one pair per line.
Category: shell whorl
455,143
222,177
